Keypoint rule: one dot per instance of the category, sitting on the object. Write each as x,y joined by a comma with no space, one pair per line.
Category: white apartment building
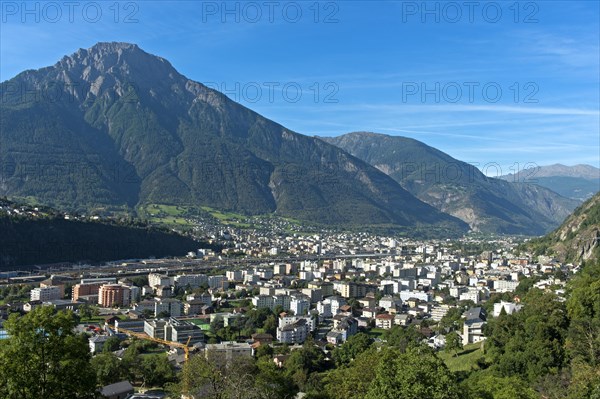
173,307
505,285
46,293
294,333
300,304
193,280
157,280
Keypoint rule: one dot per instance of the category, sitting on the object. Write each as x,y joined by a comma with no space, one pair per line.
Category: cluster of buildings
373,282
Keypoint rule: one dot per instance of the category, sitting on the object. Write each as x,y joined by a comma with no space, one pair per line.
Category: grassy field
228,218
376,332
165,214
466,359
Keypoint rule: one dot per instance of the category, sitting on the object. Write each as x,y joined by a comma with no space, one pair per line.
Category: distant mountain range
113,126
579,182
577,239
458,188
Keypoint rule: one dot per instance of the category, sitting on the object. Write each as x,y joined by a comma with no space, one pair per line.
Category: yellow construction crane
185,347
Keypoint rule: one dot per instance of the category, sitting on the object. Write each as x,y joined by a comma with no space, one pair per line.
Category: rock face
458,188
578,238
115,126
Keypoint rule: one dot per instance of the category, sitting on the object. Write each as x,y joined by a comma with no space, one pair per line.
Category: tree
270,325
453,343
304,361
243,379
529,343
583,307
111,344
353,381
451,320
156,370
217,324
85,311
415,374
354,346
402,338
44,358
487,386
264,351
109,369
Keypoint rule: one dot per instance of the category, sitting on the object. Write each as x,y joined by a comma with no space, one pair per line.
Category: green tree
402,338
264,351
585,381
85,311
487,386
529,343
583,307
270,325
303,362
353,381
451,320
109,369
156,370
44,358
217,324
243,379
453,343
415,374
354,346
111,344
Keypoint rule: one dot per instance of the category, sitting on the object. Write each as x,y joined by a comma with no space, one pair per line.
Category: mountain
579,182
115,126
34,237
577,239
458,188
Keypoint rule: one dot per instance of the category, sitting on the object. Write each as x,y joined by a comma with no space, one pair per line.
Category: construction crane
185,347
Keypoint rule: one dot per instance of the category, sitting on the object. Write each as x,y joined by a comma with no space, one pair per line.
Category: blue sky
498,84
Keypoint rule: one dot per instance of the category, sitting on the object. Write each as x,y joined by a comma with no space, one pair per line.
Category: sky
503,85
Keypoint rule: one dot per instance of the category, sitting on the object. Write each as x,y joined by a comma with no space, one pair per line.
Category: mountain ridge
578,181
144,133
455,187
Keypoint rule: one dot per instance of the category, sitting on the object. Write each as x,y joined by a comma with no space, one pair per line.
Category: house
412,302
344,328
402,319
390,303
368,302
262,338
475,319
97,343
369,312
384,320
334,337
120,390
437,341
345,309
363,321
30,305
